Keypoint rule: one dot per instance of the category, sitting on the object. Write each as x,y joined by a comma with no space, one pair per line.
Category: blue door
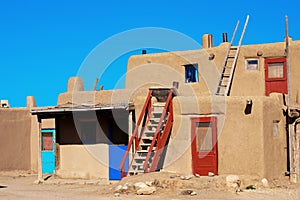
115,158
48,151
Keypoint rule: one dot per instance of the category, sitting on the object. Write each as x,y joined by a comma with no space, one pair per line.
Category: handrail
135,133
166,107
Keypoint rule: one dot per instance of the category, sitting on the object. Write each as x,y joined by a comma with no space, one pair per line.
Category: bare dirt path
16,185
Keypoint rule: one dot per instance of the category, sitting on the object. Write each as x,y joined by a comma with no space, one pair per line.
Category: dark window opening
191,73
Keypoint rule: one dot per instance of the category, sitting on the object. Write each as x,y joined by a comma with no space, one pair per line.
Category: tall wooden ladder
226,76
151,133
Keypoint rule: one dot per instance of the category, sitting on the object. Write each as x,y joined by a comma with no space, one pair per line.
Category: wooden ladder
226,76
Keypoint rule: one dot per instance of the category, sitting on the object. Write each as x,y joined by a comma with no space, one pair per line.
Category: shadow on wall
90,128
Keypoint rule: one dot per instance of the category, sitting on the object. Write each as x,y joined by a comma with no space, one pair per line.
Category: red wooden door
276,75
204,145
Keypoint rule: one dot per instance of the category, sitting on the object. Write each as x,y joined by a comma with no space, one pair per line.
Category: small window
191,73
252,64
275,70
275,128
47,141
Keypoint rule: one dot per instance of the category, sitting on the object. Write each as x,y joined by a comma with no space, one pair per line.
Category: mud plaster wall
83,161
164,68
252,82
243,146
275,147
103,97
34,143
15,139
295,71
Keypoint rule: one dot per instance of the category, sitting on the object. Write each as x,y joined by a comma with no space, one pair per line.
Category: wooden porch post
40,175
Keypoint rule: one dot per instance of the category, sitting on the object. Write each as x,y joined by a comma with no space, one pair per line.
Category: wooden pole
294,151
96,83
40,175
297,150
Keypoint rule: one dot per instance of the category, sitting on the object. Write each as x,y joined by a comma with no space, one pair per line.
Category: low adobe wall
15,139
86,162
246,145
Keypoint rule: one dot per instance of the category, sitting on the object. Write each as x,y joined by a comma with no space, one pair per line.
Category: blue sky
43,43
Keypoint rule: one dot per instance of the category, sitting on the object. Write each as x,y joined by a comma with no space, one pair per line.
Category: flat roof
47,111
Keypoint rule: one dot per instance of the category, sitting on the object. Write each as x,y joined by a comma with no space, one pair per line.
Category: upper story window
252,64
191,73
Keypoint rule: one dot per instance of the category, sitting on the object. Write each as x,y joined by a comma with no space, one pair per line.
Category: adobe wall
252,82
275,146
295,71
103,97
34,139
162,69
15,138
245,143
79,161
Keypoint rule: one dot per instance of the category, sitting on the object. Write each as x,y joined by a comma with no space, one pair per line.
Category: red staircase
151,133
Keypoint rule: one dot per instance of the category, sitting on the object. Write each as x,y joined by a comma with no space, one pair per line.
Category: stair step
131,172
147,138
140,157
142,151
145,144
156,113
159,104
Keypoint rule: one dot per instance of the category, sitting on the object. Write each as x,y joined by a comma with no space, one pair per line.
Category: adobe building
225,109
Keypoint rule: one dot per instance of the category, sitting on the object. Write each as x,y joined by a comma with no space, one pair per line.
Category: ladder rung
226,75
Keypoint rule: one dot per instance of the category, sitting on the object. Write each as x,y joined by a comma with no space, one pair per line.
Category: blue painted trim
48,157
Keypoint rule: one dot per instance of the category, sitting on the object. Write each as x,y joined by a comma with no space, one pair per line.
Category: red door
204,145
275,75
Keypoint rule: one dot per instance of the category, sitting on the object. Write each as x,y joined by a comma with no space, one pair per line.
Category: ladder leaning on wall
228,67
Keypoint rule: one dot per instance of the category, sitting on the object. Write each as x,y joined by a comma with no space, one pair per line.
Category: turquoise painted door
48,151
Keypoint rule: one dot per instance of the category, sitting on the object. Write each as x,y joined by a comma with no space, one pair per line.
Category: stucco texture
246,145
80,161
15,139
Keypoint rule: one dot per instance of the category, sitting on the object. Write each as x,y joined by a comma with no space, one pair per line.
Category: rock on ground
146,191
233,181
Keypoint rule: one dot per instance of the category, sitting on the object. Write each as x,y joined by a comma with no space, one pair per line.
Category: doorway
204,145
276,75
48,151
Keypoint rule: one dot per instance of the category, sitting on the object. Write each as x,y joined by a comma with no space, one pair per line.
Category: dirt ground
22,185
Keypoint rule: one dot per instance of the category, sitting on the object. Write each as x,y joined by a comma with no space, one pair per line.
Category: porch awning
49,112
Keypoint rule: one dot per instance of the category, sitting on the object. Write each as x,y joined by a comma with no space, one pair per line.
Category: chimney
225,39
207,41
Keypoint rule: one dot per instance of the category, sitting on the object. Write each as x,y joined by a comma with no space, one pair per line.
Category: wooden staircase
151,133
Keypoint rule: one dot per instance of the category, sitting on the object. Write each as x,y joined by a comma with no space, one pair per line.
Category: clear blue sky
43,43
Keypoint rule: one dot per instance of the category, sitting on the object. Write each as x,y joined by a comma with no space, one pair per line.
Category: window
252,64
275,70
47,141
275,128
191,73
204,139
